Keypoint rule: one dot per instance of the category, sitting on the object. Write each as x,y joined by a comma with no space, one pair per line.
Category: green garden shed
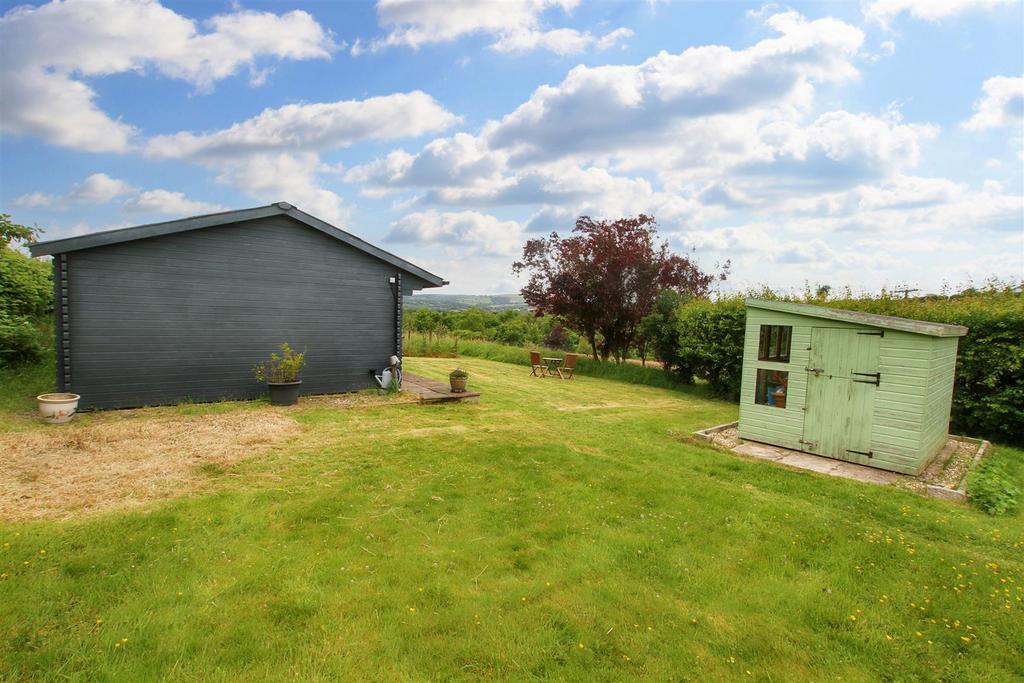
870,389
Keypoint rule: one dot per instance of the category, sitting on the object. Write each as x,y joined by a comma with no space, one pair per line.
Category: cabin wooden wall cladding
186,316
910,416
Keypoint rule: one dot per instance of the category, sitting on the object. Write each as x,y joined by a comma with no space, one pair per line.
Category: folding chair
537,364
569,366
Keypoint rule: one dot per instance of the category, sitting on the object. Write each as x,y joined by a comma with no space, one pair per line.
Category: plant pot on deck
284,393
58,408
458,379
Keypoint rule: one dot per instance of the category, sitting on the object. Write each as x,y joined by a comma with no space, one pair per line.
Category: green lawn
555,530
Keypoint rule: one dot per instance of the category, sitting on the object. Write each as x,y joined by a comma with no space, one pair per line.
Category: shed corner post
62,333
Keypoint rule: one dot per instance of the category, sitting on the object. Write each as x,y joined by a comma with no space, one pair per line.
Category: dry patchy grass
126,458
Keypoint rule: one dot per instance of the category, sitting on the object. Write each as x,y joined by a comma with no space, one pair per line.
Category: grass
555,530
437,346
20,385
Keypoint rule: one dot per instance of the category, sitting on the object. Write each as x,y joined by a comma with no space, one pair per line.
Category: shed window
774,344
771,388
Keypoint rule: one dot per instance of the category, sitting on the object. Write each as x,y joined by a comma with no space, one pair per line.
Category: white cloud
293,178
608,108
562,41
883,11
98,188
837,148
1001,105
170,203
515,26
688,117
48,50
481,233
311,127
274,156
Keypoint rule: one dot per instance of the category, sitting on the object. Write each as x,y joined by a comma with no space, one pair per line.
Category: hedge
988,399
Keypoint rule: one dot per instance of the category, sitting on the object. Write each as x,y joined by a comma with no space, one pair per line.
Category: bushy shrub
23,340
26,298
282,367
991,489
660,329
711,342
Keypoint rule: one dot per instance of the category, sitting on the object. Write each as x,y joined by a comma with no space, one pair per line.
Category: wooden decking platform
432,391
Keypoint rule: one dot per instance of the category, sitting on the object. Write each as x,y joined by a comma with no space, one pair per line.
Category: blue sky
867,144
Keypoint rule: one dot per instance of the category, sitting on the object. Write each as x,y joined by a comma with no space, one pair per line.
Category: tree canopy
605,277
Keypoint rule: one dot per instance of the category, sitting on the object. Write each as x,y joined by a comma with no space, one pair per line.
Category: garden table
553,364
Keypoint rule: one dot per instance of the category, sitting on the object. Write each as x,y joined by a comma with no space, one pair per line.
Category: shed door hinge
877,381
869,454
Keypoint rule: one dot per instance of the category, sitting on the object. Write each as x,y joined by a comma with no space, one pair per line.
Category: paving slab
758,450
871,475
818,463
805,461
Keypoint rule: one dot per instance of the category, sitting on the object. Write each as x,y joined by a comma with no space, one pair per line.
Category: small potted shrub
281,373
457,378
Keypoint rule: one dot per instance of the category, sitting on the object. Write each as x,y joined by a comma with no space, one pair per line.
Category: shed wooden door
842,378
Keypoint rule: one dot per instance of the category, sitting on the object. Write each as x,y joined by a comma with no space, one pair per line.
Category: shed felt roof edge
107,237
861,318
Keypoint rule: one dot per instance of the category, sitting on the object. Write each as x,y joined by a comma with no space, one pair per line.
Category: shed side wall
939,399
186,316
905,364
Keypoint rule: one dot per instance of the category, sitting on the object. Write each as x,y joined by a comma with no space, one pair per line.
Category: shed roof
861,318
107,237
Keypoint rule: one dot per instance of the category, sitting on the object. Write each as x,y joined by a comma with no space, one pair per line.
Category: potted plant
58,408
457,378
281,373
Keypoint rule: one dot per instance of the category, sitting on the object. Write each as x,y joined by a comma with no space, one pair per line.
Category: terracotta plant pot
58,408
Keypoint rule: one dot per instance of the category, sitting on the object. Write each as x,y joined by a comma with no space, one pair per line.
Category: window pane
774,343
771,387
762,346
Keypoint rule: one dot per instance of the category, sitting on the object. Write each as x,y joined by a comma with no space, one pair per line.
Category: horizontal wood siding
186,316
939,399
904,361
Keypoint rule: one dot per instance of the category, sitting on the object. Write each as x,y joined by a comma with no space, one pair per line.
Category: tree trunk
593,346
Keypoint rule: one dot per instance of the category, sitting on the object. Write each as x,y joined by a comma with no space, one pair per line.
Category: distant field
555,530
459,302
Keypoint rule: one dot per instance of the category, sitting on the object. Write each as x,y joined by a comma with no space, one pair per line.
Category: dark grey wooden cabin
182,310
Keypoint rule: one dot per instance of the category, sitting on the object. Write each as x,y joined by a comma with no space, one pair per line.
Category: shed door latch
877,381
869,454
816,371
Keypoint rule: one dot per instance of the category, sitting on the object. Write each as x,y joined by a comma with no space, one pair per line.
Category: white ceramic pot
57,408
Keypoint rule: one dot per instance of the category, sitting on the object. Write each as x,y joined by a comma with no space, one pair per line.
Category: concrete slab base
818,463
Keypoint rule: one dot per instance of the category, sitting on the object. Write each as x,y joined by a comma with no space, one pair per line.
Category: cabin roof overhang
108,237
860,318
